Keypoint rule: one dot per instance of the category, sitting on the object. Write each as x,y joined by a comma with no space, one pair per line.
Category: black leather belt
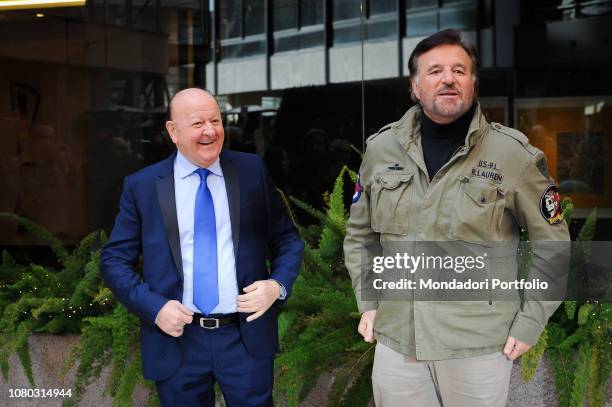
214,321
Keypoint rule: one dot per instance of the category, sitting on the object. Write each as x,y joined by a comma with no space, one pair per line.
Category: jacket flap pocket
480,193
392,180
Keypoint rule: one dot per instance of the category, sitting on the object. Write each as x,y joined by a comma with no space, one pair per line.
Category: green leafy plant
70,298
35,298
318,326
577,339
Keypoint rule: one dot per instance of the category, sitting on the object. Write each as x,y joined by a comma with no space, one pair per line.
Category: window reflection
242,28
574,133
383,6
347,9
285,14
254,17
380,20
230,15
88,92
424,17
311,12
89,89
298,24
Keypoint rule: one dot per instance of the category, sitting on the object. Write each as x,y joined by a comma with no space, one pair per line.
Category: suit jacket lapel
230,175
167,204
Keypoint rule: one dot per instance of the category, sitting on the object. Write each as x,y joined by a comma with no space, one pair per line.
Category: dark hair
444,37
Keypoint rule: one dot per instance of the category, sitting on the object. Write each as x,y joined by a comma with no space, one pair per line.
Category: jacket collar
166,166
407,130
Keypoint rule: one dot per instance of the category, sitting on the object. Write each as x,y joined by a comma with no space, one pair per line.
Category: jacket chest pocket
478,211
390,202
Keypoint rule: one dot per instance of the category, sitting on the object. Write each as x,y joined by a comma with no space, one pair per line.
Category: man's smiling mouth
205,143
448,93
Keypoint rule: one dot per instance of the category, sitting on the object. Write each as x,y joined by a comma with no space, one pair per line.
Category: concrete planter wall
48,353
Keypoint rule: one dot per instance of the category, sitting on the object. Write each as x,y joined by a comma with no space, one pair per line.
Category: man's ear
171,128
415,88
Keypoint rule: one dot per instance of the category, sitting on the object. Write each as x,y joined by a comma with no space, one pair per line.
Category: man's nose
447,77
208,130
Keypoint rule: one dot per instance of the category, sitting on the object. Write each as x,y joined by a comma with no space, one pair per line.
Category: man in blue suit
205,223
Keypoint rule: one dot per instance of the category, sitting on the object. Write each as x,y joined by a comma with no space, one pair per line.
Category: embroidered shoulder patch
543,167
550,205
358,189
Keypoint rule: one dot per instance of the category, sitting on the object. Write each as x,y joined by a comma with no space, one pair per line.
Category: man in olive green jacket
432,353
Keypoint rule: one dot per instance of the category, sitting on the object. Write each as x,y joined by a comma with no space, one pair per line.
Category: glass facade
379,20
298,24
574,133
424,17
86,94
87,91
242,27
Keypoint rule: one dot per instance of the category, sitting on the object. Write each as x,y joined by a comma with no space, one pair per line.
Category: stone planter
48,353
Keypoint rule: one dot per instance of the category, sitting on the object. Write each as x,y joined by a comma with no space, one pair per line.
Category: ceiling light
40,15
28,4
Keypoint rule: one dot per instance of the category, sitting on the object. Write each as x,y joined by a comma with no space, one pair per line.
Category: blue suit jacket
147,224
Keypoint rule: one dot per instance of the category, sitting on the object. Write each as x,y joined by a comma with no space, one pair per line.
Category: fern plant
577,338
35,298
318,327
69,299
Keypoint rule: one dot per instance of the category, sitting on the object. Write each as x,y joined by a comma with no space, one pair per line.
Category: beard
447,111
457,108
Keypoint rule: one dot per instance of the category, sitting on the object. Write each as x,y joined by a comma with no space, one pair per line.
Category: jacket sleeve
283,239
119,259
361,241
549,242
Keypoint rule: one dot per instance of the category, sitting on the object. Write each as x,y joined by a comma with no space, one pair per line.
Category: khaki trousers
402,381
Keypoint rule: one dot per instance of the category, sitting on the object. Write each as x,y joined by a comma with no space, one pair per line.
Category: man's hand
515,348
172,317
258,298
366,325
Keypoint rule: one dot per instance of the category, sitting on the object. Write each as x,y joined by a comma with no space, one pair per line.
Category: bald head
195,126
186,96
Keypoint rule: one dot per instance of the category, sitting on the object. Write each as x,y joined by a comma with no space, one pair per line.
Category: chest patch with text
487,170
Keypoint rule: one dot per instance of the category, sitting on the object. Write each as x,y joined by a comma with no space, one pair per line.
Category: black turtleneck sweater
441,141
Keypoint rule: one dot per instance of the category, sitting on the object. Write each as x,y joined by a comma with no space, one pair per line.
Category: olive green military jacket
490,189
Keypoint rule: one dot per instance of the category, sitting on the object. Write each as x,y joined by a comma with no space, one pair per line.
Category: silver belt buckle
209,319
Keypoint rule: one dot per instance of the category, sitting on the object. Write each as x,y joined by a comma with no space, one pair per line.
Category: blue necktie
205,284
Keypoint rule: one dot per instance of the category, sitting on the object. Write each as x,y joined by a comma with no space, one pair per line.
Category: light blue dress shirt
186,184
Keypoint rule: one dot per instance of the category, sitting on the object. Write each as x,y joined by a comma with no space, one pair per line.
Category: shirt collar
184,167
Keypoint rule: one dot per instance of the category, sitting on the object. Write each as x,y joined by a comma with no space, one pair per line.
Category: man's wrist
282,292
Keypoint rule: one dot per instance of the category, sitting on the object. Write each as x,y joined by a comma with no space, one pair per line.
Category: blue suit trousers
217,355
